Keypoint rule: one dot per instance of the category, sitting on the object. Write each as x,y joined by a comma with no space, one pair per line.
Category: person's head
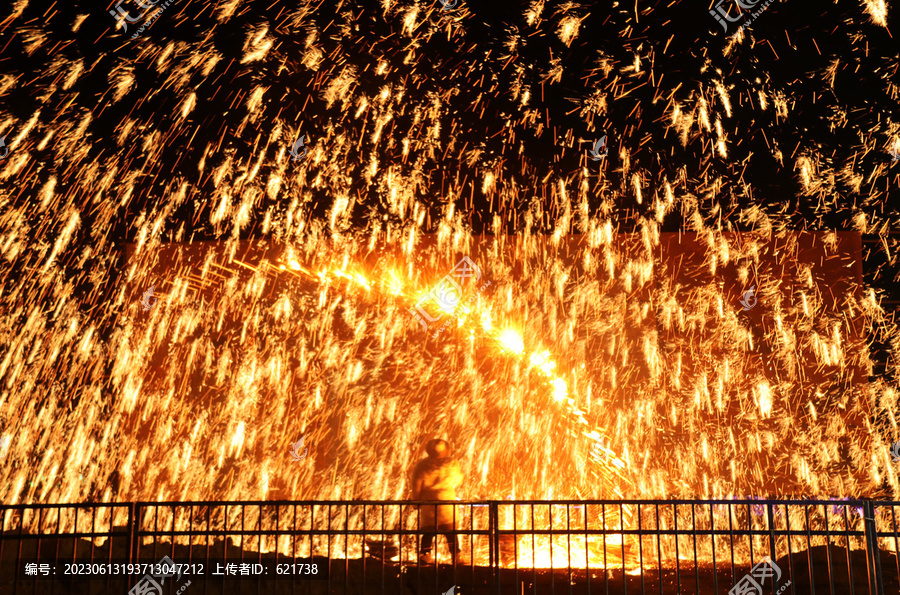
437,449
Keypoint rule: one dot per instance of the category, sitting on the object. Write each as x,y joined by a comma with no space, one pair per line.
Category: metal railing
505,547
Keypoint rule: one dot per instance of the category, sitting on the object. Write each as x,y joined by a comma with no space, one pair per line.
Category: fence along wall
648,546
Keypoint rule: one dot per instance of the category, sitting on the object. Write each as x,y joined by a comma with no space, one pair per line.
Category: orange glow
510,340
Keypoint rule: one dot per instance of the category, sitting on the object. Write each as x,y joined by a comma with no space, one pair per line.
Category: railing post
770,519
494,547
132,536
873,553
134,530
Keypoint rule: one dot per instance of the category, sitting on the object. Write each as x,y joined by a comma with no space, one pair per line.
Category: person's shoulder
450,463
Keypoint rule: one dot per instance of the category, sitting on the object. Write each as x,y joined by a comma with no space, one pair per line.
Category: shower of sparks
508,341
609,358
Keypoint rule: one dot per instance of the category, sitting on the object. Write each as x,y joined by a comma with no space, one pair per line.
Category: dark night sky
837,70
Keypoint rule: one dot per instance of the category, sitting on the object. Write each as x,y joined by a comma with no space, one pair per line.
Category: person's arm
457,476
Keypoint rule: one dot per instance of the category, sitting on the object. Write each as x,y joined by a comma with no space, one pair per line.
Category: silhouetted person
436,478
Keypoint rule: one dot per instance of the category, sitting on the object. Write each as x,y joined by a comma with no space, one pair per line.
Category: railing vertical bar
93,531
790,548
276,536
587,550
436,549
110,540
208,546
58,537
454,549
552,568
346,539
4,512
417,547
896,543
495,544
533,552
770,519
74,539
310,509
640,538
605,563
516,547
3,515
677,555
622,536
658,549
381,524
846,535
569,544
240,544
40,525
191,534
263,535
315,539
328,536
399,527
873,557
246,537
461,536
294,537
133,526
847,543
21,541
828,552
712,539
731,537
365,528
472,542
750,531
694,538
57,534
129,530
346,508
155,528
139,513
809,557
266,535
